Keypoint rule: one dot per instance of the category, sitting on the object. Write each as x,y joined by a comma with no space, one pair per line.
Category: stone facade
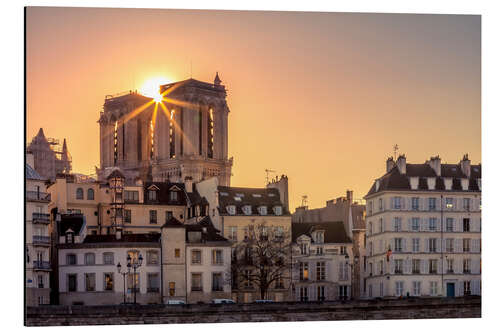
185,135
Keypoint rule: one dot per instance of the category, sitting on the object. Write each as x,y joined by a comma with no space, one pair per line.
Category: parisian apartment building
423,235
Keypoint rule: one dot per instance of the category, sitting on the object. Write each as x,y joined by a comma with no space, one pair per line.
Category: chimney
349,195
282,186
188,183
465,165
390,164
435,164
401,164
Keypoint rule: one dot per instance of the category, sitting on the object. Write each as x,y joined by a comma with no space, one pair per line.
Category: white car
175,302
222,301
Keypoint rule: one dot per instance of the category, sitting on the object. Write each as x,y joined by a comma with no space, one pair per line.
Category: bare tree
262,258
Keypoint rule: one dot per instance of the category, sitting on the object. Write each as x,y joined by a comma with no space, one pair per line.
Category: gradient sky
321,97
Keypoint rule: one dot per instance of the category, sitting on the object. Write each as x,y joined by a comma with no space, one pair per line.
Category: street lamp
356,259
135,264
124,273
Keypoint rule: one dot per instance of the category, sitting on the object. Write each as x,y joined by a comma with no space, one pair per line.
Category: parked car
264,301
222,301
176,302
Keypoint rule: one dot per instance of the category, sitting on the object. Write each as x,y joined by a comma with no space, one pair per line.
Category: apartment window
344,292
217,282
40,281
303,294
397,202
279,282
79,193
71,259
415,224
467,204
152,257
153,283
416,245
304,248
414,203
71,282
133,282
320,271
195,256
343,272
127,216
108,281
397,224
370,228
433,264
321,293
432,204
398,266
466,288
415,266
319,250
168,215
152,195
304,271
381,267
449,244
433,289
380,206
173,196
381,223
343,250
398,245
90,194
466,245
196,283
131,196
177,253
399,288
466,223
217,257
171,288
432,245
466,266
432,224
152,217
449,224
90,281
449,265
449,203
416,288
89,259
278,232
247,275
108,258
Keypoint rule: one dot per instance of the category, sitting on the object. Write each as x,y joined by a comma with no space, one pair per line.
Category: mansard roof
334,231
173,223
163,194
208,232
32,174
125,238
75,222
244,196
394,180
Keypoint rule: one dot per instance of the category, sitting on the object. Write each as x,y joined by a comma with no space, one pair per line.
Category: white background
12,135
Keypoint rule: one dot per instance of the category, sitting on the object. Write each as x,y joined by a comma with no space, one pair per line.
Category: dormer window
173,196
465,184
247,210
278,210
377,185
304,248
237,198
271,195
256,195
70,237
240,195
447,183
319,237
152,195
262,210
414,183
431,183
231,209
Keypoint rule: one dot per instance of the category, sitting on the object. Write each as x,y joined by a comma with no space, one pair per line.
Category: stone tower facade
185,135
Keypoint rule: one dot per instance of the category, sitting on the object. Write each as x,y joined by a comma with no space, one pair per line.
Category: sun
151,87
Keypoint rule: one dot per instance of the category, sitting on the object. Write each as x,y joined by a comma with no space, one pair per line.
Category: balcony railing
45,265
37,196
42,240
41,218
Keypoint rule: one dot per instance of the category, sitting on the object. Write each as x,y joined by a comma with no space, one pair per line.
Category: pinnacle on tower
217,80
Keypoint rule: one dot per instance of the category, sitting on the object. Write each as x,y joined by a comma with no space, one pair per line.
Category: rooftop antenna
304,201
268,171
395,148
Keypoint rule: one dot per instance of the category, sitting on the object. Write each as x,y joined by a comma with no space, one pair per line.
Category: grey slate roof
254,197
32,174
334,231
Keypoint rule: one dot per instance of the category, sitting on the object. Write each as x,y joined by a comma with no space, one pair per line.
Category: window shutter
404,248
453,225
440,266
383,225
426,241
423,266
476,266
407,268
475,245
458,266
392,202
393,242
425,270
409,204
460,225
460,288
423,224
438,224
455,204
403,203
458,245
424,204
392,265
438,244
409,225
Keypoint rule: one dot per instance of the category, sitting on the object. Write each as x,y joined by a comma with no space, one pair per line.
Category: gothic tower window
152,131
181,111
115,143
172,134
139,140
200,126
210,134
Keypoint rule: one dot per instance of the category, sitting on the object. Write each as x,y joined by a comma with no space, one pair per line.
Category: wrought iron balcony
41,240
41,218
37,196
42,265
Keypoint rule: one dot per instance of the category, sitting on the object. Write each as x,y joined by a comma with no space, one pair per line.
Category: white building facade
423,228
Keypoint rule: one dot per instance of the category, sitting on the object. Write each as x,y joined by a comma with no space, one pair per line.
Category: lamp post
124,273
356,259
135,264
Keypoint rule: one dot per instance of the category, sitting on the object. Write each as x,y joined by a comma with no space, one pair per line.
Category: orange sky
321,97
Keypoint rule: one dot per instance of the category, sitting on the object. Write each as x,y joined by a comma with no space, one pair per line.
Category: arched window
79,193
210,133
172,133
90,194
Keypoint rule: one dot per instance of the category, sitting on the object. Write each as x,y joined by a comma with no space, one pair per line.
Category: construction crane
268,171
